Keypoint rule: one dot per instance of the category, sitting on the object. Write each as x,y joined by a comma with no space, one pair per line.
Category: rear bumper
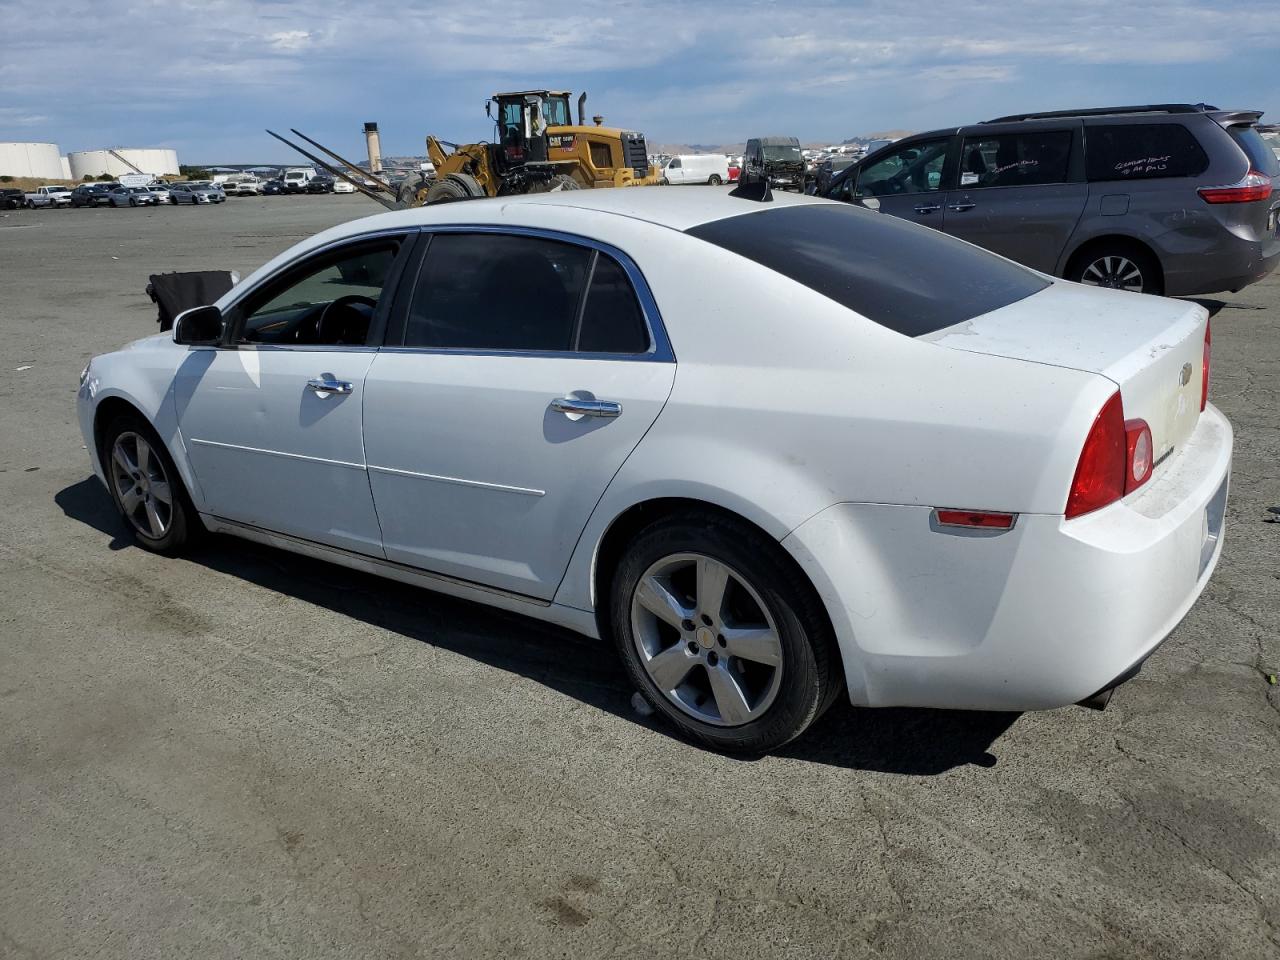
1044,615
1229,264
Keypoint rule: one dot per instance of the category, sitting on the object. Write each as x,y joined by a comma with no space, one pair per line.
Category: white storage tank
43,161
95,163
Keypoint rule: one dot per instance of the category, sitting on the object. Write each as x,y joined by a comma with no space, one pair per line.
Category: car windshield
1261,157
903,276
782,151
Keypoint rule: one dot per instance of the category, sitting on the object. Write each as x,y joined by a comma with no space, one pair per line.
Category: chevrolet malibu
776,452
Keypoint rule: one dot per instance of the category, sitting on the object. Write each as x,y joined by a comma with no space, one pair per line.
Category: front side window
1142,152
1015,159
674,164
481,291
915,168
328,301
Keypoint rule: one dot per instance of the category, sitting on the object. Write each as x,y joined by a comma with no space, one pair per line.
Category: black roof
1108,111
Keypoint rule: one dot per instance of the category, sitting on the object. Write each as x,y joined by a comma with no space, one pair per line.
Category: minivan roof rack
1107,111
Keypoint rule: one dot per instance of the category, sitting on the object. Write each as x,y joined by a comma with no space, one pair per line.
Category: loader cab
523,118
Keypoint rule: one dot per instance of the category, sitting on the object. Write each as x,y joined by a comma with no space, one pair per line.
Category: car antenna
756,190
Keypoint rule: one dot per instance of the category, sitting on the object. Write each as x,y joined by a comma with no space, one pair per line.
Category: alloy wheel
1116,272
141,485
706,639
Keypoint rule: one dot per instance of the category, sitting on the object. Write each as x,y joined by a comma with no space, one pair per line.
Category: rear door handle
928,208
961,207
324,385
575,407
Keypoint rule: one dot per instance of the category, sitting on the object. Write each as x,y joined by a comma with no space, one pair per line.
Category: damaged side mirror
198,327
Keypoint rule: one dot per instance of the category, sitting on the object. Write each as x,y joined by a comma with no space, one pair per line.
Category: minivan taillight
1204,368
1117,458
1254,186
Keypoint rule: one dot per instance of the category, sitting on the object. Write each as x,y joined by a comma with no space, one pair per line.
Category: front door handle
325,385
574,407
928,208
961,207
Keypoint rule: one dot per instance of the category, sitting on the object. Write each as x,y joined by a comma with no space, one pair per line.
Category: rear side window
483,291
908,278
1015,159
1142,152
1261,157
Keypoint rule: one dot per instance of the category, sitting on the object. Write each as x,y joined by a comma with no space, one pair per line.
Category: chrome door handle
961,207
928,208
325,385
572,406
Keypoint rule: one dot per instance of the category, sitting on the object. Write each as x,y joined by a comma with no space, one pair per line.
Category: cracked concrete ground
246,754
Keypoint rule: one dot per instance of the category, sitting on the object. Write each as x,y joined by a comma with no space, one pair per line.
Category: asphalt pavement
243,753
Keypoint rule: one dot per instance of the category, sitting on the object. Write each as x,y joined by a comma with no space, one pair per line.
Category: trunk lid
1152,348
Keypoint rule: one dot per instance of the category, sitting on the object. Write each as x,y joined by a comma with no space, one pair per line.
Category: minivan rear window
1142,151
903,276
1261,157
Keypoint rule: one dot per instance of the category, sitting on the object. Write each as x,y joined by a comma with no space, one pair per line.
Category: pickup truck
52,196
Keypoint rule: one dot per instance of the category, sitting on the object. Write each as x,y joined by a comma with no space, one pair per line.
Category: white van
296,179
712,168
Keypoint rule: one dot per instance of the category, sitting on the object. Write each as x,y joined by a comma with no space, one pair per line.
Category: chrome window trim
659,351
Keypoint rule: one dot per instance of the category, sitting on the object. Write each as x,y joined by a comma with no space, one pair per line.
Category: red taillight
1254,186
1100,473
985,519
1140,454
1204,368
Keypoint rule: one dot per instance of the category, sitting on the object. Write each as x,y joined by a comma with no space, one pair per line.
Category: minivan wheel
722,634
1118,267
714,180
145,486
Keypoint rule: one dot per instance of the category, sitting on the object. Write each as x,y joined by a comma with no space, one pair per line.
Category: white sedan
775,451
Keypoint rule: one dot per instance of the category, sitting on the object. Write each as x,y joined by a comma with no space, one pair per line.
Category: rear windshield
1261,157
908,278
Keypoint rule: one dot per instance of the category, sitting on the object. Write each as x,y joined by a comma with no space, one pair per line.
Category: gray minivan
1174,198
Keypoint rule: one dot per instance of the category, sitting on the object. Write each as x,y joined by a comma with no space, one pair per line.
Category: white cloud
290,40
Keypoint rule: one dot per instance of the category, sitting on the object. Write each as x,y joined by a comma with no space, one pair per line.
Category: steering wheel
342,322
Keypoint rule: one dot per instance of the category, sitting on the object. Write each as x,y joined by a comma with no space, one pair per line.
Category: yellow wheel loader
536,149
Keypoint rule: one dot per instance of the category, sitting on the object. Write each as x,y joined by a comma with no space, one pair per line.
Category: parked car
835,495
827,169
342,186
242,187
295,179
49,196
132,197
709,168
777,158
160,191
1174,198
735,169
194,193
12,199
319,185
272,188
92,194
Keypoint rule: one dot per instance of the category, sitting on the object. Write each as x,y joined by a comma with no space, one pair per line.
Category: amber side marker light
979,519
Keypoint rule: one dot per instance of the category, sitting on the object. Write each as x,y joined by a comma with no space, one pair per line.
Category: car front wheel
723,634
146,487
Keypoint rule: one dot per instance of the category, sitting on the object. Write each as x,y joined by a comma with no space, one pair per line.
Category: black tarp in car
172,293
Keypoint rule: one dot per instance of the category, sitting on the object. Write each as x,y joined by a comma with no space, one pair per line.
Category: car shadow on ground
903,741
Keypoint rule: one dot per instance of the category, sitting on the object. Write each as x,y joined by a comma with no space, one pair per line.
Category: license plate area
1214,517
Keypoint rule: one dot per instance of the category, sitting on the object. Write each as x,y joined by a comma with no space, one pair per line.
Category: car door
675,170
1020,191
908,182
271,420
527,369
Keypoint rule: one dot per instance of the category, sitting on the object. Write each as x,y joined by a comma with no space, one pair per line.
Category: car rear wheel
722,634
146,487
714,180
1118,266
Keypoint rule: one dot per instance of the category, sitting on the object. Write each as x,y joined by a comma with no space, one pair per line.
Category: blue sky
207,77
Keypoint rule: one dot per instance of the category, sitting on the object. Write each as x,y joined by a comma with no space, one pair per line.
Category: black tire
183,526
1111,264
714,180
810,676
446,191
